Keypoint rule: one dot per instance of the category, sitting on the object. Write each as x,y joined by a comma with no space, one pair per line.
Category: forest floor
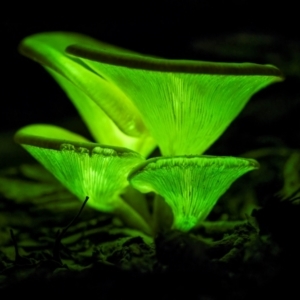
226,257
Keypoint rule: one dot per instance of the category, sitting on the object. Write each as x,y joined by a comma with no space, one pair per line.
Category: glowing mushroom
186,105
109,114
190,185
85,168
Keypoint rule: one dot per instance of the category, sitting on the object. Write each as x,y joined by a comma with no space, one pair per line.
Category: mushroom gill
190,185
186,105
85,168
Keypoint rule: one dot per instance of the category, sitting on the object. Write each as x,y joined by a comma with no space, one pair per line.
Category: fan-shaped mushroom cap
109,114
190,185
85,168
186,105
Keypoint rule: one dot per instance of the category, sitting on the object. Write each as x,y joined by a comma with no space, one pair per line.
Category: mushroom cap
85,168
190,185
186,105
110,116
117,56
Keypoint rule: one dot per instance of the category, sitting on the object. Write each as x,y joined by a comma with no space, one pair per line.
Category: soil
223,258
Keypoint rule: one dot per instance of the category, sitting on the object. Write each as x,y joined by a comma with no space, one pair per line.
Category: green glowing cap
190,185
109,114
85,168
186,105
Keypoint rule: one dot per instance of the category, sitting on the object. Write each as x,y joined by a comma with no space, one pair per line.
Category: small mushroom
186,105
110,115
190,185
85,168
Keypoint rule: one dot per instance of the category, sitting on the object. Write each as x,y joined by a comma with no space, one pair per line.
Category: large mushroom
190,185
109,114
186,105
85,168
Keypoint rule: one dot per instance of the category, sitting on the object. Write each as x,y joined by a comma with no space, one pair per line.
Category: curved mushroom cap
85,168
109,114
191,185
186,105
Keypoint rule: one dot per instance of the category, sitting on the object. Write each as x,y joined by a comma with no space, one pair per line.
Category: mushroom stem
162,215
138,202
131,218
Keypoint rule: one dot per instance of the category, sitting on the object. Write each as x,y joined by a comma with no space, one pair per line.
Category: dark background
235,31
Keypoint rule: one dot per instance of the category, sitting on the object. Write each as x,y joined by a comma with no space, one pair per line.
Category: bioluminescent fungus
131,103
186,105
109,114
85,168
190,185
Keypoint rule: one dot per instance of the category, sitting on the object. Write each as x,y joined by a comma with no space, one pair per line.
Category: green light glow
109,114
86,169
190,185
186,105
47,131
100,125
130,100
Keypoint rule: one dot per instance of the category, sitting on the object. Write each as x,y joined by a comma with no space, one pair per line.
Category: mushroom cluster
132,103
